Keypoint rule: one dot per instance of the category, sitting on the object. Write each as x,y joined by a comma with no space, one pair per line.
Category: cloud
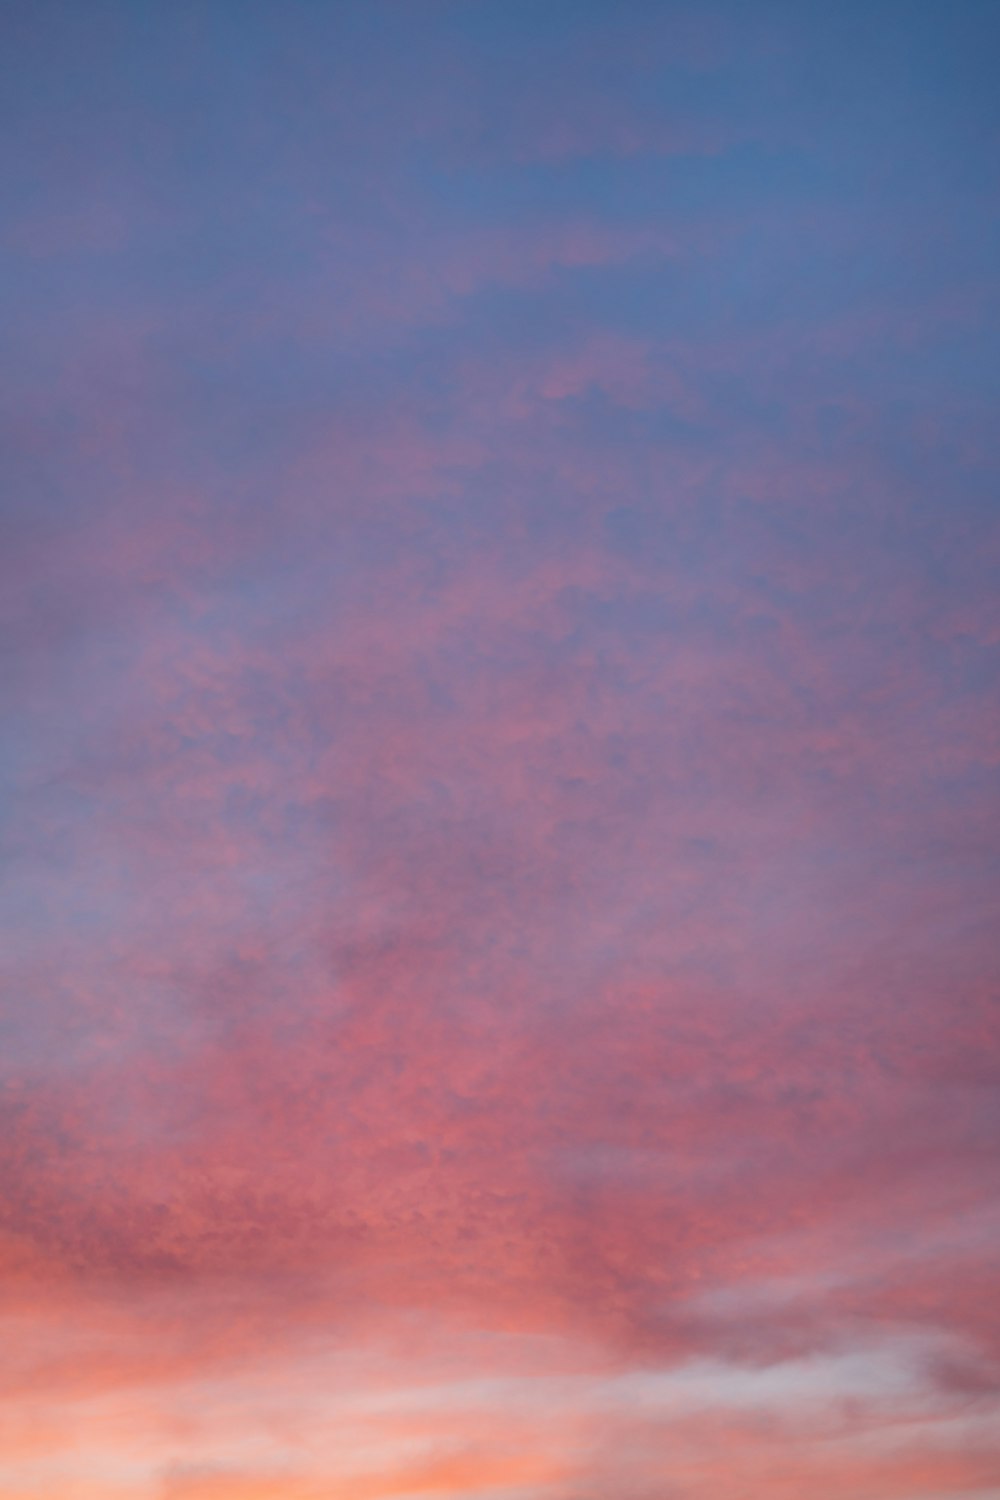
499,758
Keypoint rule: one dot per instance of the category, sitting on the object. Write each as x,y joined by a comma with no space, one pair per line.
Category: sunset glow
500,750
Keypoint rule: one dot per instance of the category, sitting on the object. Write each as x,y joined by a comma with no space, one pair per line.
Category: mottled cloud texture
500,750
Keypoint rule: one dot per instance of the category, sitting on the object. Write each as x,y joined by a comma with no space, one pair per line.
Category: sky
499,756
